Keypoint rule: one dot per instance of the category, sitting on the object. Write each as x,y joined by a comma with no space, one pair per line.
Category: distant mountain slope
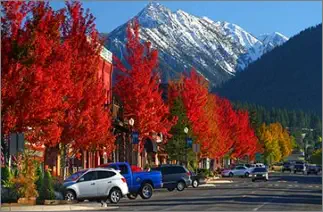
288,76
216,49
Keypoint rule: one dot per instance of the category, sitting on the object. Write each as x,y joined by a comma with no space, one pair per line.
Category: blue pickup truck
141,183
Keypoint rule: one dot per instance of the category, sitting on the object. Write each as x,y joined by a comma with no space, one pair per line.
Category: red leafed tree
246,142
138,86
227,120
50,89
35,71
87,122
195,96
193,89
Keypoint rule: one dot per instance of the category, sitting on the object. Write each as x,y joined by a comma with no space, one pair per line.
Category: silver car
96,184
259,173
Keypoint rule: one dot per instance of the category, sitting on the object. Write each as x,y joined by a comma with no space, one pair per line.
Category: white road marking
257,208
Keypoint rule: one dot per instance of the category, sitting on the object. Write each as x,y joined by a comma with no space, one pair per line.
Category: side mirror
118,171
81,179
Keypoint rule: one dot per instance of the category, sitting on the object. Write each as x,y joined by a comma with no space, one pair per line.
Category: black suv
299,168
287,167
312,169
174,176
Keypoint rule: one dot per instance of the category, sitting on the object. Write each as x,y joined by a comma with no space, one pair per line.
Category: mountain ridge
216,49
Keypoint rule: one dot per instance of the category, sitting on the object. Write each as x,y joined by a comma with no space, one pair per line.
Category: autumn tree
50,89
276,141
35,71
138,87
87,122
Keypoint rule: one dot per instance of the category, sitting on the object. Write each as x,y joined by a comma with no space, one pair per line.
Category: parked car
241,171
197,179
141,183
259,173
312,169
175,176
299,168
96,184
287,167
319,167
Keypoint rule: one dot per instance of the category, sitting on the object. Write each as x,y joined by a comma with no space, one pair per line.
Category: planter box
27,201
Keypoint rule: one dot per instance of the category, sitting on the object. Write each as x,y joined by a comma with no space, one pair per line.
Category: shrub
47,189
25,181
39,182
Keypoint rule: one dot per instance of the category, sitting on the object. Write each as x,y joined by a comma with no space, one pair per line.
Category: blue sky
289,18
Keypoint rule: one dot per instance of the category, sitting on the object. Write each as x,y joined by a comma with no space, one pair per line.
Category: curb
219,181
56,208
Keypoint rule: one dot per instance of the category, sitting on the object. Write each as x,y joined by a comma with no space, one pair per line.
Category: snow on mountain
216,49
272,40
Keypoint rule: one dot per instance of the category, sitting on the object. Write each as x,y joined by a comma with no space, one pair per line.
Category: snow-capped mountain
215,49
272,40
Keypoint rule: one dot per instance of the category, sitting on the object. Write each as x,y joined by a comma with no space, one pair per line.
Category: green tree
176,147
316,157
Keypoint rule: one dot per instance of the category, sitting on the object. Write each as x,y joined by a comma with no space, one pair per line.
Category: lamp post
131,123
186,158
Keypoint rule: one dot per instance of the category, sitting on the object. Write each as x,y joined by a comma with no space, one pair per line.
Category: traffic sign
135,137
196,148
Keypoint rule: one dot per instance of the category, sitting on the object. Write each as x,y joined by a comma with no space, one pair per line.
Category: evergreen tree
47,189
176,147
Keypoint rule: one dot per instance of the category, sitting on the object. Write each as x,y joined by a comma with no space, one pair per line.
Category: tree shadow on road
251,198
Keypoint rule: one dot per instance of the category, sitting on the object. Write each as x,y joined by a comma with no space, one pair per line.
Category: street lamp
186,131
131,122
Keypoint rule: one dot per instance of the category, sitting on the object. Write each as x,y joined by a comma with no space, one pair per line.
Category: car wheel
246,174
230,174
70,196
132,195
180,186
195,183
115,196
170,189
146,191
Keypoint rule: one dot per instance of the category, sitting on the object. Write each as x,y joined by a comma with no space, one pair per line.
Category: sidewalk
217,180
77,207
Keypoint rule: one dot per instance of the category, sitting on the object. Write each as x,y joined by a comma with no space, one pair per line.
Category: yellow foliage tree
276,141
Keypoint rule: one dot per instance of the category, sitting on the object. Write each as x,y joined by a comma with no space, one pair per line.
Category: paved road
281,193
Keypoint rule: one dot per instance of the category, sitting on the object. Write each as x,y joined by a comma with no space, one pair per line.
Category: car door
87,185
124,171
167,176
104,182
239,171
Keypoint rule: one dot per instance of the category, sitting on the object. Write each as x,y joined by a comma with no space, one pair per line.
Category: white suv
96,184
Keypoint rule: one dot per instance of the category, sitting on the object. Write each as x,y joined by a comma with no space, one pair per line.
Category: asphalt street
283,192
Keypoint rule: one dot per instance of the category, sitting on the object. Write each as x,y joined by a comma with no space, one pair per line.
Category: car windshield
75,176
259,170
